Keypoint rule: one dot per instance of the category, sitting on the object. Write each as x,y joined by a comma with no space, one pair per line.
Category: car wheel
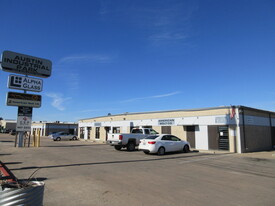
131,146
118,147
186,148
74,138
58,139
161,151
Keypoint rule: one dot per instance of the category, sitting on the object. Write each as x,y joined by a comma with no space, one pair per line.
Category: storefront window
116,129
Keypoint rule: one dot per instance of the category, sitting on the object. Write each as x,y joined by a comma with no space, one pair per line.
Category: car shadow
160,158
4,154
12,163
89,145
40,179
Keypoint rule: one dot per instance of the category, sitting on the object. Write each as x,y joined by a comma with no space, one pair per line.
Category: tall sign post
29,66
24,121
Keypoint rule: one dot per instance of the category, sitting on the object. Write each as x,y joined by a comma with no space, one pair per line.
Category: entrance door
223,138
218,138
213,137
97,132
81,132
190,134
89,132
107,129
166,129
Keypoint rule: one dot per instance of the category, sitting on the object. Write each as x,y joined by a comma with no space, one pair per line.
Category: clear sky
117,56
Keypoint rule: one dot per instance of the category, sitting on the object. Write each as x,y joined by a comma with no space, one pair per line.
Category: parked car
7,131
62,136
13,132
163,143
131,140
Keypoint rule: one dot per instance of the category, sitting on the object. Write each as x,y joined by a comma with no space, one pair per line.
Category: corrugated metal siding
32,195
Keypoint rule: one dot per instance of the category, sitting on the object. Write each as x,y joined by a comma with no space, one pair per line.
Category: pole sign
25,83
24,100
24,119
24,64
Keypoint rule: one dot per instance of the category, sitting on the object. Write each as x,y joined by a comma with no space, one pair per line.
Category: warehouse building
7,125
45,128
230,128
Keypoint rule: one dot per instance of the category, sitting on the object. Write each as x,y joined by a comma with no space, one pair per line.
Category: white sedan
163,143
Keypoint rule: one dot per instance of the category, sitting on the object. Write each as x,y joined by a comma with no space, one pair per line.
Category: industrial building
45,128
7,125
236,129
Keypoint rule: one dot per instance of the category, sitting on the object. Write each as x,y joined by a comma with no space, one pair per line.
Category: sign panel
166,121
25,83
24,119
97,124
24,124
24,100
25,64
25,111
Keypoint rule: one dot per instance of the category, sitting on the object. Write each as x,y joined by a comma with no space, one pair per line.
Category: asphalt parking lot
86,173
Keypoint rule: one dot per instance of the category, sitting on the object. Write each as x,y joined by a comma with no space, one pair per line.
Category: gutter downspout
244,137
238,131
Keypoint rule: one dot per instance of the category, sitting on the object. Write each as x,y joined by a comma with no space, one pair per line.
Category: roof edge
152,112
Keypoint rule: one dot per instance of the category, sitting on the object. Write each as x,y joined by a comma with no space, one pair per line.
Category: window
190,128
153,132
166,138
82,132
89,132
97,133
116,129
139,131
147,131
173,138
152,137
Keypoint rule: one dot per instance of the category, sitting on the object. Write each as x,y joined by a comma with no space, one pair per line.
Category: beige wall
102,134
157,128
159,115
179,132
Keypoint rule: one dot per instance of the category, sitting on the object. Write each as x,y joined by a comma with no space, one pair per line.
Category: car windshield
152,137
137,131
153,132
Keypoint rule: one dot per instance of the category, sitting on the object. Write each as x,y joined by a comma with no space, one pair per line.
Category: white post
86,133
238,131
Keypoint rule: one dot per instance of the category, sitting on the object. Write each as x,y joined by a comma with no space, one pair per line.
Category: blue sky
116,56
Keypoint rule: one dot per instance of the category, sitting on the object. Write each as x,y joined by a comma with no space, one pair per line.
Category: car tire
58,139
131,146
74,138
186,148
118,147
161,151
